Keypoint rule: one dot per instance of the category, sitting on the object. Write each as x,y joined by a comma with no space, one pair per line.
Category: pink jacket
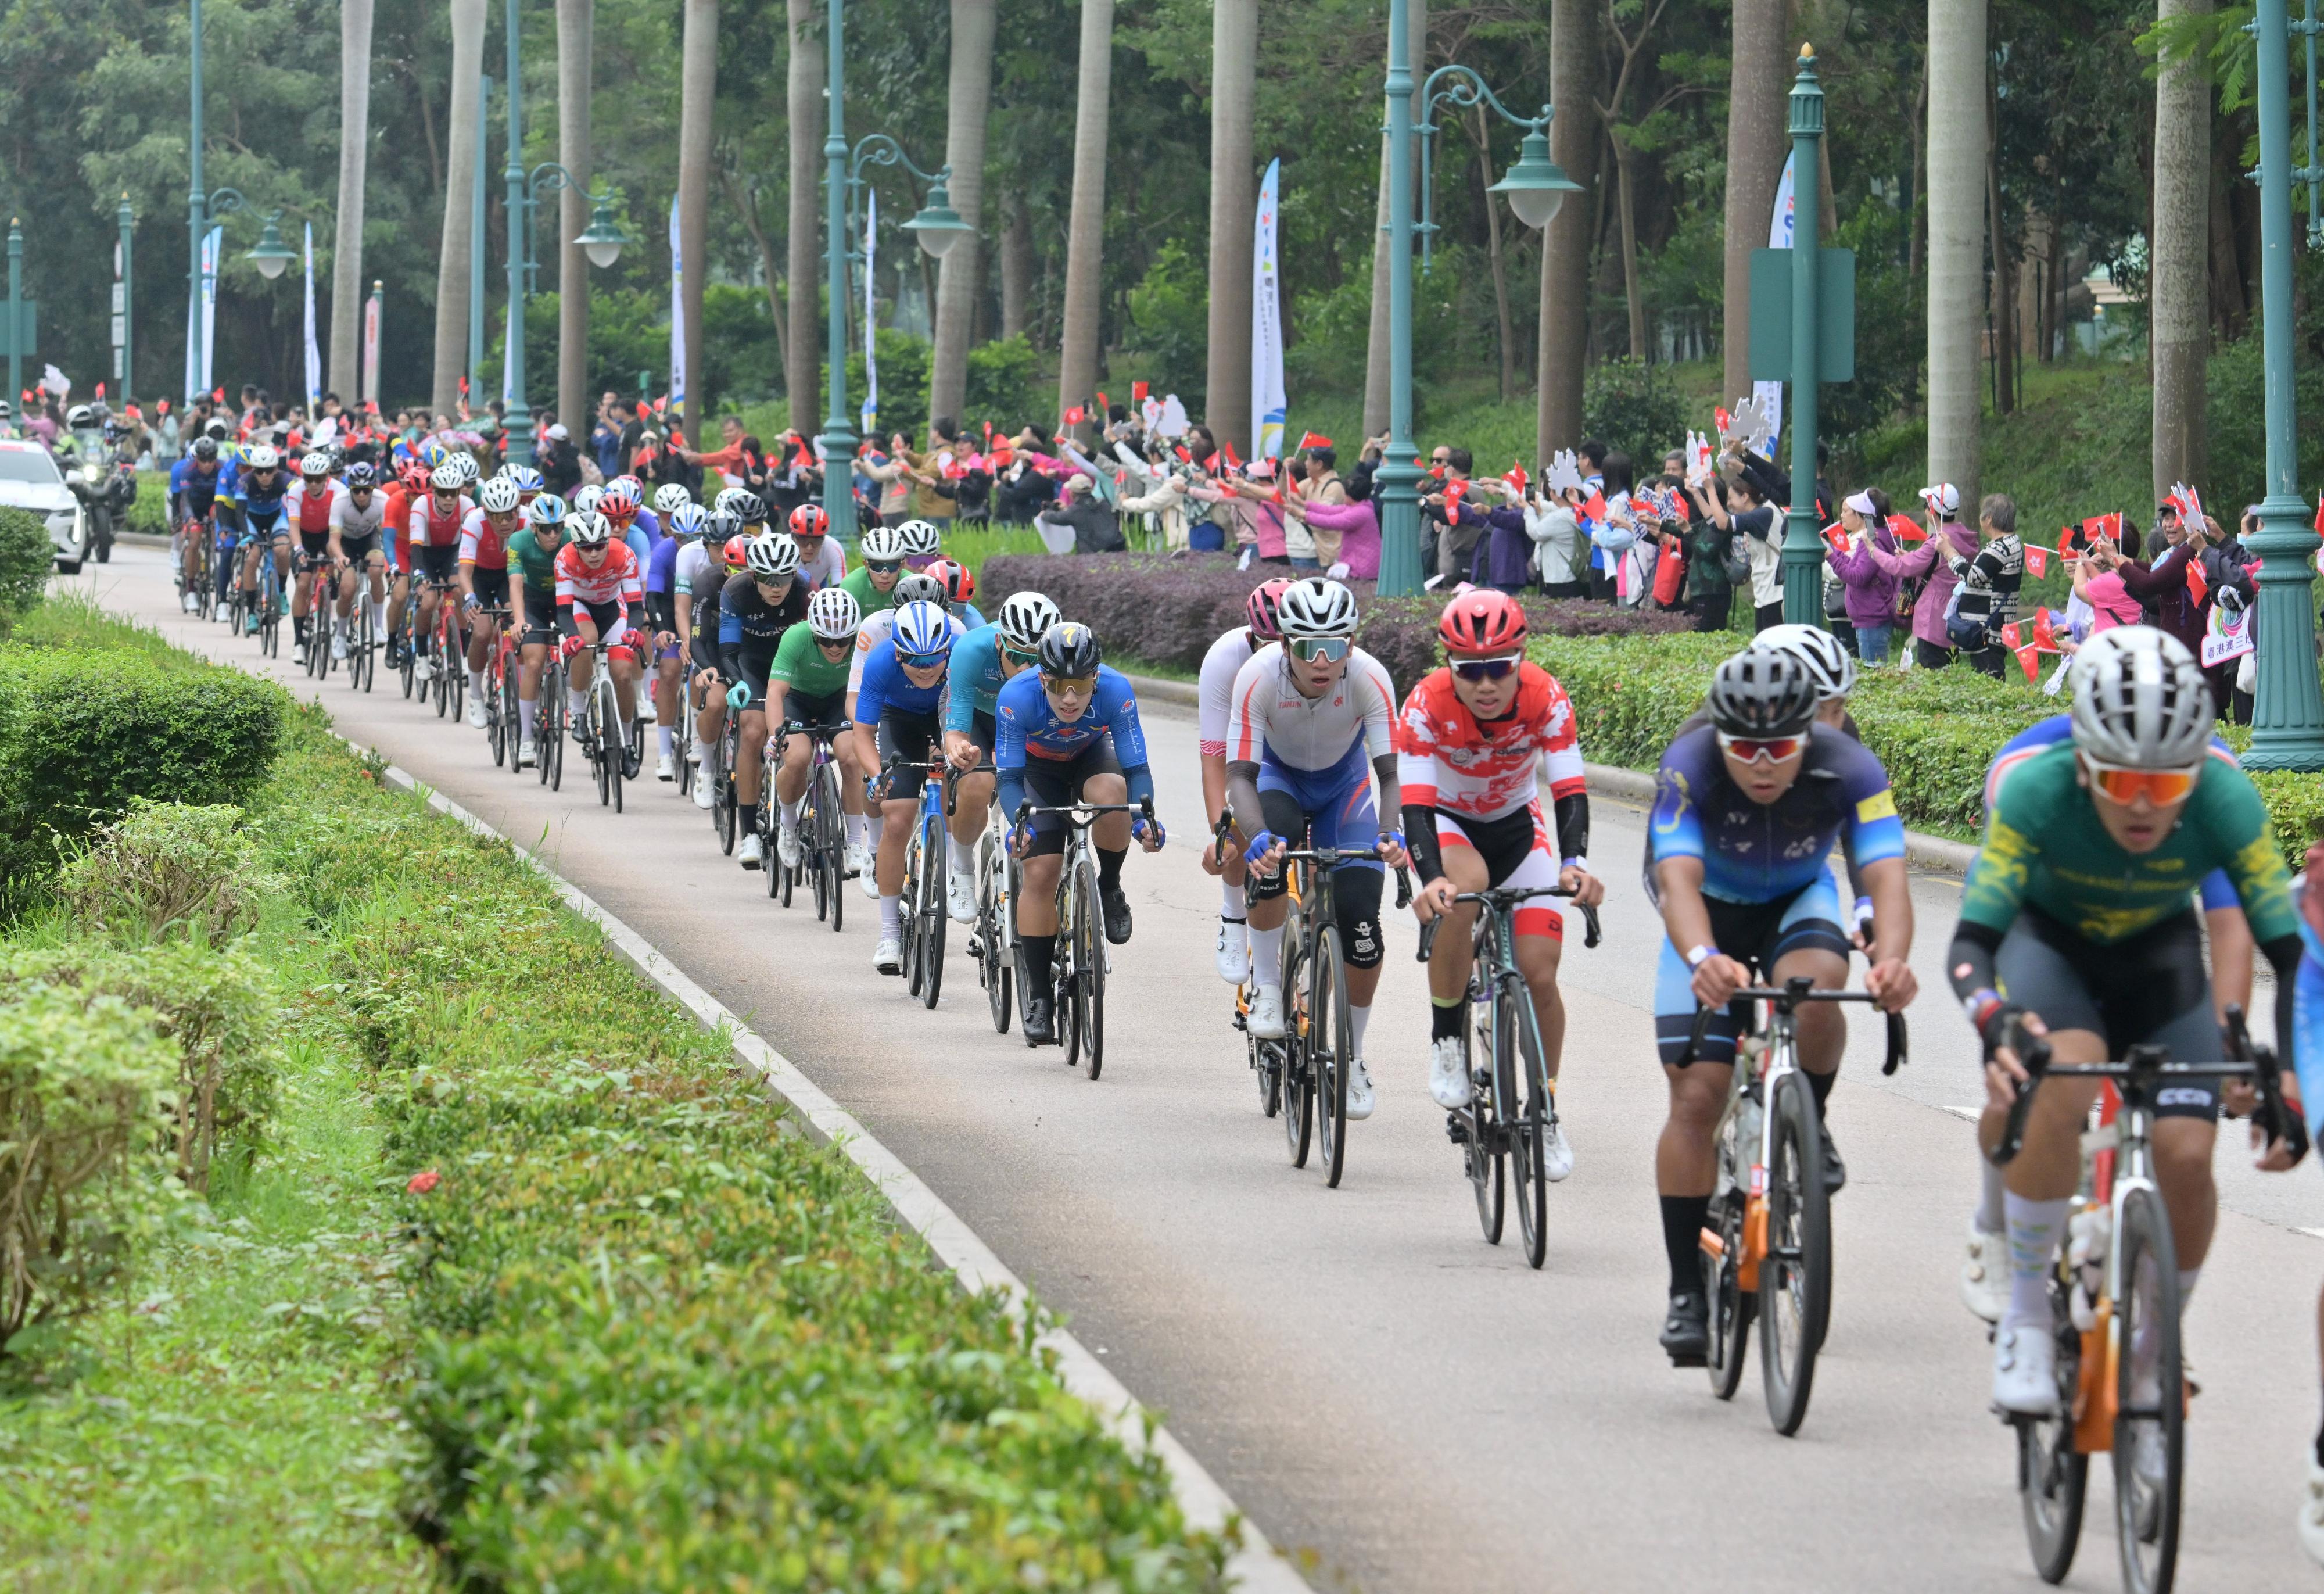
1933,558
1360,533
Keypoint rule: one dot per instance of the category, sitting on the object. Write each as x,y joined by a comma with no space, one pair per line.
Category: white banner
677,316
2226,636
370,347
211,244
314,353
1770,394
1267,401
869,420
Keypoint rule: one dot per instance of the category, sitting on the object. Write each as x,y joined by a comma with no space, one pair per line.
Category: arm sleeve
1245,735
564,583
1140,780
1129,734
1572,812
1379,708
1009,767
1968,962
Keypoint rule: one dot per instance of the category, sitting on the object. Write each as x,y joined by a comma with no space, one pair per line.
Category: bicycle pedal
1456,1128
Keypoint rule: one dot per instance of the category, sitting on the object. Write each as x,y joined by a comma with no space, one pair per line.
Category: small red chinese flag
217,395
1719,413
1595,509
2027,657
1104,405
464,387
2320,514
1226,451
2198,584
1184,458
1516,475
1314,440
1073,415
100,390
2045,636
1138,393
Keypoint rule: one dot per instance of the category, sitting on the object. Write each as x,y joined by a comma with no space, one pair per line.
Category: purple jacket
1504,552
1359,530
1870,592
1935,558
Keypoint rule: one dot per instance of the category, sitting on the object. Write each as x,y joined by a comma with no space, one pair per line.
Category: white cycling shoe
702,798
2026,1369
1985,1274
869,879
1448,1073
338,644
423,667
476,713
1265,1019
1234,949
1360,1098
786,848
2311,1514
1557,1151
859,858
751,852
887,957
960,896
527,753
665,769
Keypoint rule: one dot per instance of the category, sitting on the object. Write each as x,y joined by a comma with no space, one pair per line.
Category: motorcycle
105,481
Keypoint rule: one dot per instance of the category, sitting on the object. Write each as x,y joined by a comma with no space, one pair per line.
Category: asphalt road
1374,1385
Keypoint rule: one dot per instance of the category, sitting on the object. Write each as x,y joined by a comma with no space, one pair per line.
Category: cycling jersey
1270,720
868,598
803,667
883,686
483,545
193,489
399,520
1214,694
877,629
614,580
1755,852
2308,1024
355,522
1460,778
976,679
535,559
750,628
309,512
258,503
438,528
1030,730
826,567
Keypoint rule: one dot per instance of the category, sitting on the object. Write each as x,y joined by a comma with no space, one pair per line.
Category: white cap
1943,498
558,432
1861,503
1077,483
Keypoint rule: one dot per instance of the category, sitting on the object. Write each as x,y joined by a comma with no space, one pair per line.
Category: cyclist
255,486
677,559
307,508
1732,893
822,562
754,609
896,712
918,586
808,686
437,520
2078,906
1469,739
193,497
873,581
485,579
357,516
596,585
1215,690
959,584
710,683
670,498
983,662
1307,732
532,554
410,489
922,543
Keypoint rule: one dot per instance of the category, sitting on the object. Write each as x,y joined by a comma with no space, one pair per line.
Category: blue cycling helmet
923,631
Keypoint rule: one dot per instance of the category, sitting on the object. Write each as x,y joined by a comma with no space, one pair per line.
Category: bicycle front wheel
2052,1472
2151,1399
932,912
992,937
1331,1052
722,799
831,873
1089,972
1291,1057
1795,1276
1521,1081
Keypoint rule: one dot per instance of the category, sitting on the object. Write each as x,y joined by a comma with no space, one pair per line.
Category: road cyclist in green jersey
872,582
2077,924
808,685
532,555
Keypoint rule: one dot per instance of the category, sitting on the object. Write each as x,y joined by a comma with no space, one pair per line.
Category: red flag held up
2037,561
1595,509
1227,450
2198,584
1138,393
2009,637
1073,415
1905,529
1314,440
2045,636
2025,660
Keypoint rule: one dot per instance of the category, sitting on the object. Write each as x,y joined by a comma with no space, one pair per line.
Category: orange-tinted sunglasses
2161,787
1755,749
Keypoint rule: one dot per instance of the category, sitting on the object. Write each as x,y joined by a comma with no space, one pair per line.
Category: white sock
1360,1019
891,916
1990,1219
1266,956
701,752
790,812
527,713
855,829
1231,901
669,739
2034,1230
877,823
577,702
476,681
964,861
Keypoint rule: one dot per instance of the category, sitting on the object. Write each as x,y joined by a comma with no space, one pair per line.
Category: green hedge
26,557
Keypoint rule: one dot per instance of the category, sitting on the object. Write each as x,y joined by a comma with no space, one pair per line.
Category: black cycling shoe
1116,903
1686,1331
1835,1172
1038,1028
630,764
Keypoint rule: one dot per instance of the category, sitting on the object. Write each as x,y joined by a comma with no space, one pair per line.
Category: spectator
1080,524
1989,586
1949,542
1504,555
1458,521
1322,485
1711,568
1353,530
1733,504
2166,598
1628,556
1561,549
1592,457
1868,591
605,439
2098,581
559,464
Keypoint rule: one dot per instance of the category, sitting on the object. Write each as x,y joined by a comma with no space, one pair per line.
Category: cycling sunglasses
1320,650
920,661
883,566
1759,749
1486,669
1079,686
1021,655
2162,787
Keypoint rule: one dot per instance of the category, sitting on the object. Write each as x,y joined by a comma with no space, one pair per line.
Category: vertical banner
1770,394
371,345
314,353
871,418
676,313
212,243
194,388
1267,403
119,322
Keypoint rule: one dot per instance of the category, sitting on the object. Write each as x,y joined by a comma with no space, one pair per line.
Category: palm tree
1565,244
575,19
971,97
1376,360
346,248
800,356
1234,49
697,92
1956,263
1077,372
459,195
1756,120
2179,292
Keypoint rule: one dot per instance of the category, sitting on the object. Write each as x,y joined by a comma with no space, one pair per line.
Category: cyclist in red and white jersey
597,584
1472,740
307,509
358,516
822,562
484,577
435,540
1214,695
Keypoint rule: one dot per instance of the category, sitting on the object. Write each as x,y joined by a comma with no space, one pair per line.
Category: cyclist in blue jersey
256,486
661,612
1747,808
194,483
898,713
981,663
1069,733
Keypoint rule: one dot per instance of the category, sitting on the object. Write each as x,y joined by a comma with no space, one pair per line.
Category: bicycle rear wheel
2051,1473
931,907
513,712
1291,1057
1487,1148
1731,1309
609,739
1524,1073
1089,972
832,875
722,799
2151,1400
1795,1276
992,941
553,726
1331,1052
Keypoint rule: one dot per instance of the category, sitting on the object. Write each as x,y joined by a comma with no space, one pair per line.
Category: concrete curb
1256,1566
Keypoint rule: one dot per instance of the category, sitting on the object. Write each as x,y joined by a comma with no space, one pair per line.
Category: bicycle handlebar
954,777
1795,991
1492,897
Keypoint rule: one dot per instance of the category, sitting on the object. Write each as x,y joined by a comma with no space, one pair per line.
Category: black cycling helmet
360,476
1069,651
719,525
206,448
1763,691
750,508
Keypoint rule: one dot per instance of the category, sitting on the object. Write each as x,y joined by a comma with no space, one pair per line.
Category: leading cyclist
898,711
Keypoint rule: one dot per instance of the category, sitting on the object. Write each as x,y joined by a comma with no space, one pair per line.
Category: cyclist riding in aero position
1469,737
1747,808
1307,733
982,662
754,611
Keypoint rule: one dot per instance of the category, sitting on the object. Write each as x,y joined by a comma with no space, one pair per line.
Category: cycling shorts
612,629
906,735
1053,783
267,522
1517,853
491,587
1355,883
539,616
1757,934
358,548
314,545
830,709
437,564
1333,807
2151,987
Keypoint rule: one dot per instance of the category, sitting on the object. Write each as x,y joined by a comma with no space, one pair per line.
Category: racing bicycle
1078,968
504,721
822,823
601,723
924,916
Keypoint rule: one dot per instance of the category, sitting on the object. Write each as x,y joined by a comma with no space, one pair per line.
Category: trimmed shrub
26,557
169,868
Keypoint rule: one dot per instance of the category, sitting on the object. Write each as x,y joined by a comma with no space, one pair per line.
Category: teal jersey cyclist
2078,921
983,662
1748,808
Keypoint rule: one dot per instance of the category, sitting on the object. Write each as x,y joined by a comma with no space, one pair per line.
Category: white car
29,479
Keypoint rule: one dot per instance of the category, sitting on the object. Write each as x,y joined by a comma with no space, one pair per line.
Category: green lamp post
16,349
1803,528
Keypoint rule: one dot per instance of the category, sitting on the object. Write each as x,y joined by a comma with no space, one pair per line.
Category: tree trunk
576,21
2179,292
698,94
1234,49
1504,323
1918,227
1375,362
459,199
346,247
1567,241
1955,264
802,358
1999,300
959,275
1077,354
1633,290
1017,268
2228,307
1756,120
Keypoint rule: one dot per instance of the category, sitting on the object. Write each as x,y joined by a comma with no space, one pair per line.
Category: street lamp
272,254
603,240
202,205
1536,188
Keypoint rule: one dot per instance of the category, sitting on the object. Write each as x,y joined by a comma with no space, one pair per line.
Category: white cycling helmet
923,630
548,510
1316,606
636,488
2140,700
1831,666
499,495
670,497
772,557
884,543
589,529
1025,618
584,499
466,464
527,479
316,463
921,536
918,586
834,614
445,477
263,456
688,519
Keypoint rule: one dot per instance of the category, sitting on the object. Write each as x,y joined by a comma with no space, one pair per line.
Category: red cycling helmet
1482,622
959,581
808,520
617,503
737,553
1259,609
